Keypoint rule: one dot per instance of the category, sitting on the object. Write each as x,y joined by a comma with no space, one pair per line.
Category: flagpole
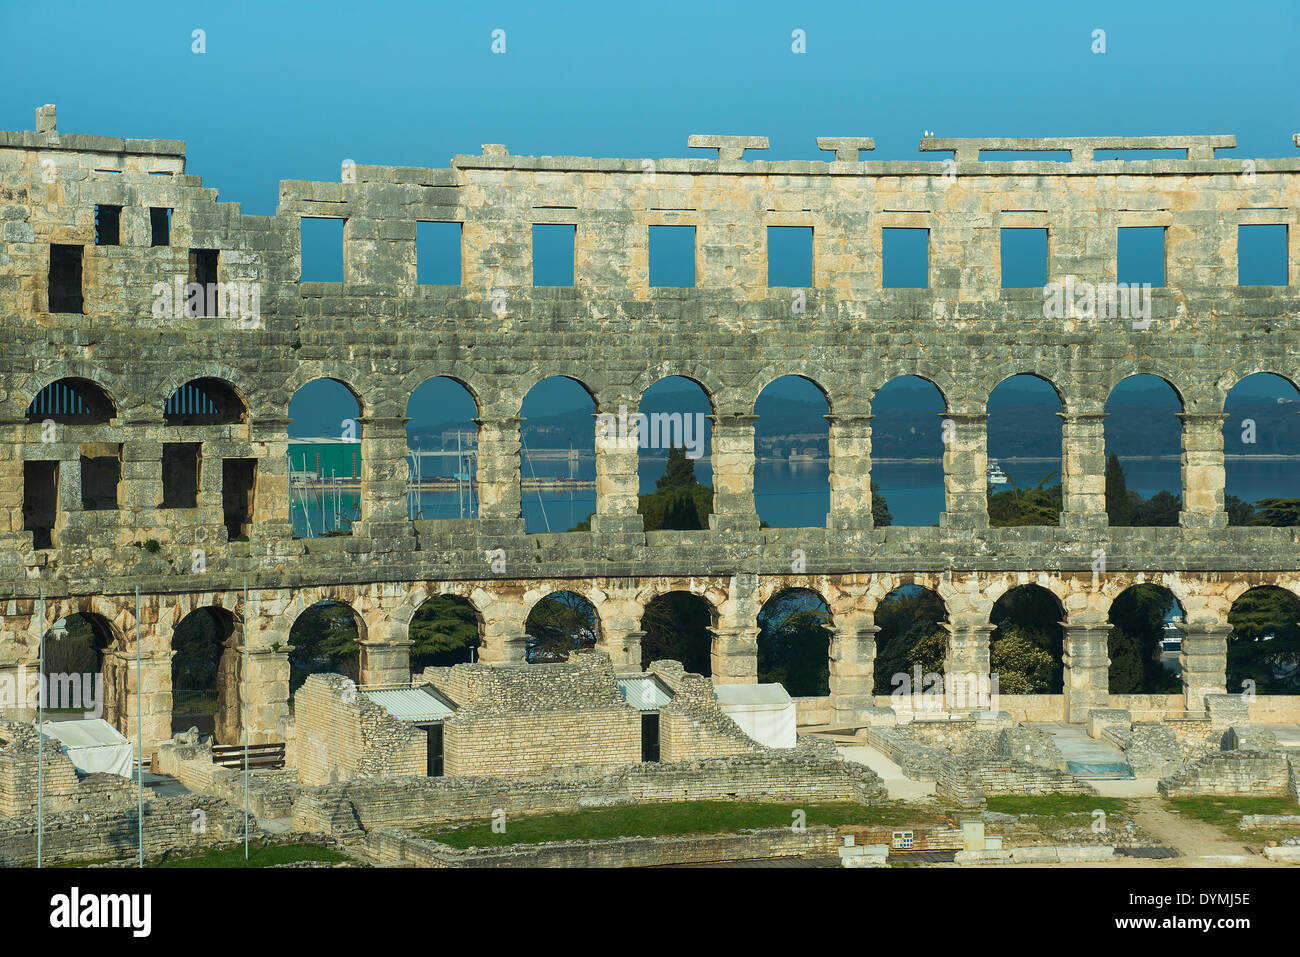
139,736
40,734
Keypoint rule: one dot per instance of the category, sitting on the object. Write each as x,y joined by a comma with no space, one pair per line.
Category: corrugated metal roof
645,693
412,704
765,695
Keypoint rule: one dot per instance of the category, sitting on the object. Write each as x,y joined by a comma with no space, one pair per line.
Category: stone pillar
735,638
383,484
1083,478
965,471
1204,660
19,657
850,472
386,662
617,482
269,437
733,474
1204,478
853,670
499,492
1087,667
121,708
267,681
141,487
968,649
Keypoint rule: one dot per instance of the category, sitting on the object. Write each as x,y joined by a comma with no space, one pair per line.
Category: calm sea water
796,494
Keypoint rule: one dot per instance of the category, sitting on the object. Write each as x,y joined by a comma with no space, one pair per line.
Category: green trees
1026,506
794,643
1137,620
911,633
1026,646
558,624
1119,508
1264,644
324,640
679,501
677,628
444,631
1125,508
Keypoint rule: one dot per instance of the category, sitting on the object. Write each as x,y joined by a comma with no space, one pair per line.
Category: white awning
645,693
416,705
93,745
765,712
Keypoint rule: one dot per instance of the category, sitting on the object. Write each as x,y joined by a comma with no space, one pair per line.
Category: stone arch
701,378
911,619
888,373
665,426
679,625
206,671
85,650
313,650
74,401
318,503
770,375
1263,644
802,465
1260,421
559,622
1146,483
205,401
794,642
1022,492
1130,368
412,382
430,456
907,426
1136,638
569,475
1027,644
308,372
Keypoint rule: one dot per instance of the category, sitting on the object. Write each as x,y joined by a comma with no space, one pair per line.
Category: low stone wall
63,787
390,844
969,780
1064,854
338,734
1237,773
780,777
813,711
81,836
189,760
1275,709
918,762
692,725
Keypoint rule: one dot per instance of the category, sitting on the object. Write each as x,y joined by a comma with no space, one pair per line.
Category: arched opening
907,450
911,636
325,639
82,677
445,630
792,454
678,626
441,451
674,461
1026,647
1145,638
1143,450
557,456
1264,644
206,674
72,401
558,624
205,402
1025,450
794,643
324,459
1261,425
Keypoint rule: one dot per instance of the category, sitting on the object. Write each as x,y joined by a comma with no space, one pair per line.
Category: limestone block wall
1238,773
339,734
692,725
968,780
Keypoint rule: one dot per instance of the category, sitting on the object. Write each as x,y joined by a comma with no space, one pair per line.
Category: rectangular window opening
204,264
1024,258
160,226
101,473
650,737
433,752
238,481
65,279
1140,256
438,254
40,501
1261,255
553,254
790,256
322,249
108,225
180,475
906,254
672,256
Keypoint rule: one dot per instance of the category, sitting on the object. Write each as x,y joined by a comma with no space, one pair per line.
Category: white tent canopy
764,712
93,745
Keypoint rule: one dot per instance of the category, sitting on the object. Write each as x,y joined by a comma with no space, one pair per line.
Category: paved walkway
900,787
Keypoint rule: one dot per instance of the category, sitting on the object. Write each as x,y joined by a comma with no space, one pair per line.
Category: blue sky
290,90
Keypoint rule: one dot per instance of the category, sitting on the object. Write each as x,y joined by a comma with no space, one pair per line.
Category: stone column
850,472
386,662
1083,478
141,488
267,680
968,650
19,657
1087,667
965,471
499,492
617,482
1204,478
269,437
1204,660
733,473
853,670
735,638
155,699
383,484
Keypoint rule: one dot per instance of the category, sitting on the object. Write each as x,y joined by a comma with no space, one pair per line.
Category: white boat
994,474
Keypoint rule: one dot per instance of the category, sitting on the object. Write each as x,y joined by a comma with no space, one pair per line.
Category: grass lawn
653,820
1055,804
1226,812
258,856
